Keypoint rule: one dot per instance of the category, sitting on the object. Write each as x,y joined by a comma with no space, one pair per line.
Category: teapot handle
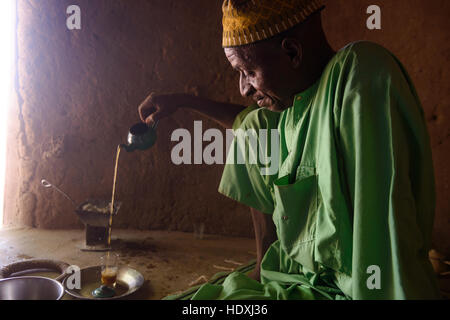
155,125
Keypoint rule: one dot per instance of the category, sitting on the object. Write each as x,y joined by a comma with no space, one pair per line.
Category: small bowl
30,288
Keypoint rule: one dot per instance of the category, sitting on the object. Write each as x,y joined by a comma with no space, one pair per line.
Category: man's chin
272,105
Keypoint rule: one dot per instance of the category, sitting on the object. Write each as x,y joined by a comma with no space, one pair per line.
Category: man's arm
156,107
387,166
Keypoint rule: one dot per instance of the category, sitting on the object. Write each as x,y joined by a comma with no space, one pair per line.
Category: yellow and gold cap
249,21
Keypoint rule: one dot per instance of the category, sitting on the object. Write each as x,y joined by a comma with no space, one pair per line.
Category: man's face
267,75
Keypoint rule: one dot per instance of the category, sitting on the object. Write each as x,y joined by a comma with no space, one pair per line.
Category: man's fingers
147,112
155,108
147,108
150,122
153,118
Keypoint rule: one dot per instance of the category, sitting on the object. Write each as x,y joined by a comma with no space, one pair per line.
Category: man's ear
294,50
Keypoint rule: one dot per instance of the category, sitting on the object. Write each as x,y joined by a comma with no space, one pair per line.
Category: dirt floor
169,261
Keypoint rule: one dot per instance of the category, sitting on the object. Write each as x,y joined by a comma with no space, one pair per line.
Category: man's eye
248,74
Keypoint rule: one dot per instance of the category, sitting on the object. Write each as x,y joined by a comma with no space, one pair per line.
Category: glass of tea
110,268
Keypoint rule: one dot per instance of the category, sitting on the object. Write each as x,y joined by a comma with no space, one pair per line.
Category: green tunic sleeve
387,165
244,182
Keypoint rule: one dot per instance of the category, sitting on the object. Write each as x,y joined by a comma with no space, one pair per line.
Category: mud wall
78,92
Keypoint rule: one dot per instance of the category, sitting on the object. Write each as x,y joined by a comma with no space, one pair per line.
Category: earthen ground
169,261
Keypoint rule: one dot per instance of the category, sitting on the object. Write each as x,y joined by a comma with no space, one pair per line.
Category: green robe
353,200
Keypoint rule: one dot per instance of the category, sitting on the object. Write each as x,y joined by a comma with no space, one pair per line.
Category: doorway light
7,50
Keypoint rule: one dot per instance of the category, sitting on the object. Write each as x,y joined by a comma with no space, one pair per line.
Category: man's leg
265,235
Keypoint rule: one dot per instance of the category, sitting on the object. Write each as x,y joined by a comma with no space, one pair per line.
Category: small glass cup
110,268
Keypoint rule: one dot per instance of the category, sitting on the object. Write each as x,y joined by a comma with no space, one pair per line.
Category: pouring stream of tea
113,196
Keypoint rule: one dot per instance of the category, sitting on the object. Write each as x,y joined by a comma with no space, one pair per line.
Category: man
353,199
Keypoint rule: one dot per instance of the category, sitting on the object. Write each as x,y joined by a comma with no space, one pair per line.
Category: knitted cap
249,21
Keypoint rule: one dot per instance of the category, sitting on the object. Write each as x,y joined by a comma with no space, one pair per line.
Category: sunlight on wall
7,29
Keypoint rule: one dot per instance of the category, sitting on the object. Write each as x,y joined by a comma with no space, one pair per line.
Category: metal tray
128,282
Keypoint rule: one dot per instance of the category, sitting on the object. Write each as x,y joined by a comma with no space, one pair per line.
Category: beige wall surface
78,92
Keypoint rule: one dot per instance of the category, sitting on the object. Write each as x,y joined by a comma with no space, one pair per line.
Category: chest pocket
295,215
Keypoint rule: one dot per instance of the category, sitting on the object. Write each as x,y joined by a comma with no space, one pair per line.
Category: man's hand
156,107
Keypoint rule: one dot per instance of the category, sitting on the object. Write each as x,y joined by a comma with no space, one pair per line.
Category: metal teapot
140,137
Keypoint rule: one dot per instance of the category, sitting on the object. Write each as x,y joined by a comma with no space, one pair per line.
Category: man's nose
245,87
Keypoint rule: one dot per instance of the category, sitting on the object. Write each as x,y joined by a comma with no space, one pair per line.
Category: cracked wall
78,92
